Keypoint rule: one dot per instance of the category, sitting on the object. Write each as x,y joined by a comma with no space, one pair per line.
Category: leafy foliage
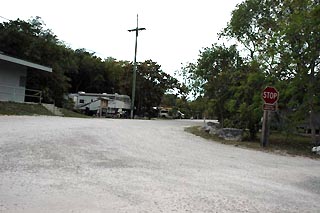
152,83
231,87
281,41
79,70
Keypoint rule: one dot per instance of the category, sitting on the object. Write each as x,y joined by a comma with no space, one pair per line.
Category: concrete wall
12,81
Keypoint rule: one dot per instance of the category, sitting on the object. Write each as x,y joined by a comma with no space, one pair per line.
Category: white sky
176,29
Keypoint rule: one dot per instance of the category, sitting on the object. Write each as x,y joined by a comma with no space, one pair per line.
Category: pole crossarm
137,29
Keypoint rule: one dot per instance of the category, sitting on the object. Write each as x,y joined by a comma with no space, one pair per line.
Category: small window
22,81
81,101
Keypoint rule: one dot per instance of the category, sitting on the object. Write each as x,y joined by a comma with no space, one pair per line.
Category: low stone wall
209,126
225,133
231,134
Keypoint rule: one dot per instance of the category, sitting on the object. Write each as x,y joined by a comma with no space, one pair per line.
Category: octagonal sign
270,95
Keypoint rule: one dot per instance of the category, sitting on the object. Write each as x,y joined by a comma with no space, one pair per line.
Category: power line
5,18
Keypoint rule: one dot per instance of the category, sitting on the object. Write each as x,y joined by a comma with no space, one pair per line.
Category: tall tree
120,76
32,41
152,83
229,85
284,36
79,70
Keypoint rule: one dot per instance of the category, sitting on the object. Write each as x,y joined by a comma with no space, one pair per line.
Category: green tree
245,104
200,107
79,70
284,37
169,100
152,84
32,41
229,88
89,75
213,73
120,76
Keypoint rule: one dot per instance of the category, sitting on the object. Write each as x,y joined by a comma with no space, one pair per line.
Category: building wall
12,81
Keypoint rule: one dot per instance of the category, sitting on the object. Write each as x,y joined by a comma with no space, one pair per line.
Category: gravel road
55,164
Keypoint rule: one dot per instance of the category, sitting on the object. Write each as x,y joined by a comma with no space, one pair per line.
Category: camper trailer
90,103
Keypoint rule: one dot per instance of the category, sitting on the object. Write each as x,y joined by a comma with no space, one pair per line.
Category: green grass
295,145
11,108
72,114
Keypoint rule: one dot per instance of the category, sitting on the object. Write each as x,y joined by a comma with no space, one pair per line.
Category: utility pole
137,29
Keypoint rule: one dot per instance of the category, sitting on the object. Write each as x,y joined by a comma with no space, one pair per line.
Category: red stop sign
270,95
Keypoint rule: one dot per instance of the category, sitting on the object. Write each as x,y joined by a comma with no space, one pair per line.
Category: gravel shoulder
55,164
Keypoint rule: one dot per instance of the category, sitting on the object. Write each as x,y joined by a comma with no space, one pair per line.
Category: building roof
24,63
100,94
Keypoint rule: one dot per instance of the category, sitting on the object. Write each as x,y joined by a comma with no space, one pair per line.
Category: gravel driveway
55,164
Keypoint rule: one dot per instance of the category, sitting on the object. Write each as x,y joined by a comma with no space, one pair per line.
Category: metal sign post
270,96
265,129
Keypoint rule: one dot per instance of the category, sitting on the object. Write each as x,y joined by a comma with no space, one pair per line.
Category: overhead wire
5,18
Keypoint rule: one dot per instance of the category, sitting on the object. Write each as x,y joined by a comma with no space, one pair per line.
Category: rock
230,134
211,123
210,126
206,128
214,131
213,128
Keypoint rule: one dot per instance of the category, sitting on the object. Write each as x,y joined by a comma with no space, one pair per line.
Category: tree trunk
222,118
312,126
311,102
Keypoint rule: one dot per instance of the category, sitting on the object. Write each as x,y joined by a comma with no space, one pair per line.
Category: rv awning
24,63
104,98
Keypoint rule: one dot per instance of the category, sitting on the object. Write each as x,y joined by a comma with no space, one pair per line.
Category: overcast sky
176,29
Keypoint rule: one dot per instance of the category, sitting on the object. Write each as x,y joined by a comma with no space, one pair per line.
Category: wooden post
270,95
137,29
265,129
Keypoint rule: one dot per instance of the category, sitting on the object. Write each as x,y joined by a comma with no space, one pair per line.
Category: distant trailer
90,103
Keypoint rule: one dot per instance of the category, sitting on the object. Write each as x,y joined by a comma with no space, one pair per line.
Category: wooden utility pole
137,29
265,129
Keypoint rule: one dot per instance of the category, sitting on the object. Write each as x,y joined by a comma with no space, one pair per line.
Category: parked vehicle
164,113
169,113
90,103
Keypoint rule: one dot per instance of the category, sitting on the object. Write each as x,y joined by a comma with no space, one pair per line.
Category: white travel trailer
90,102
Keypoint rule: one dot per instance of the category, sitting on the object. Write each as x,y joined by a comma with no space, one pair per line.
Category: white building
13,76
